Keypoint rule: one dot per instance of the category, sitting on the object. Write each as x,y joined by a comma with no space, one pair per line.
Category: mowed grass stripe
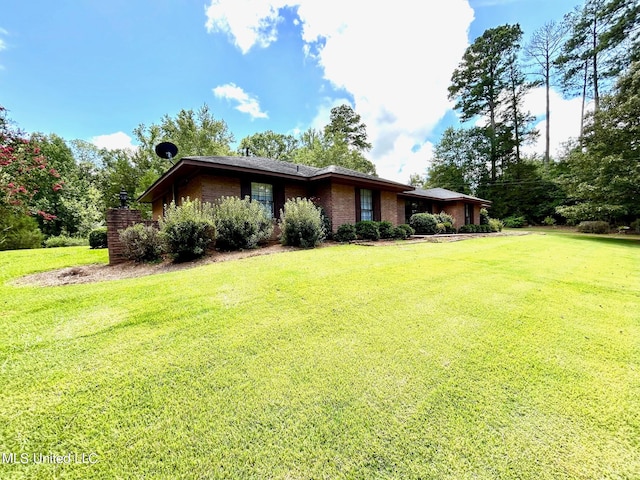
512,357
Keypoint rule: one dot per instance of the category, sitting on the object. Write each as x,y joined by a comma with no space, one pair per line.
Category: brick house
347,196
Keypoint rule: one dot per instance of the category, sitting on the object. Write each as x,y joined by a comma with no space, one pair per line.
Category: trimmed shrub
444,223
65,241
594,227
423,223
241,224
484,216
345,233
402,232
187,230
301,224
386,229
98,238
514,222
367,230
549,221
141,243
19,231
495,225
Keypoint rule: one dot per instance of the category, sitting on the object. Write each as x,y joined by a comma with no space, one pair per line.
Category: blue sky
95,70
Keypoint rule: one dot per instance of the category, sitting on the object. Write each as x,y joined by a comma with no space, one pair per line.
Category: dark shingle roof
443,194
260,163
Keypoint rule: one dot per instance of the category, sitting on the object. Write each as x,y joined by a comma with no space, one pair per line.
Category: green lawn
504,357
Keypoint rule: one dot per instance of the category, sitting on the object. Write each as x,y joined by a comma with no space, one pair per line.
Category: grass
504,357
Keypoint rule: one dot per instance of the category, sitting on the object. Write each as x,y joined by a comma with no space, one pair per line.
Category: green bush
495,225
484,216
635,226
301,224
596,226
141,243
65,241
19,231
345,233
423,223
241,224
549,221
98,238
386,229
472,228
444,223
187,230
367,230
514,222
402,232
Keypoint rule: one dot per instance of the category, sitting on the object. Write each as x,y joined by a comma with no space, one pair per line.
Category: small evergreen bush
635,226
141,243
514,222
549,221
386,229
423,223
301,224
367,230
241,224
65,241
594,227
98,238
19,231
402,232
187,230
345,233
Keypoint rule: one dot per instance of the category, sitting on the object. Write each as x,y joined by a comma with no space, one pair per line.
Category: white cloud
114,141
246,103
565,120
394,59
247,22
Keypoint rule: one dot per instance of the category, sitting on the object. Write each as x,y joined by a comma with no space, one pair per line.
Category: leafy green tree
346,125
603,178
270,145
319,150
194,133
479,83
459,160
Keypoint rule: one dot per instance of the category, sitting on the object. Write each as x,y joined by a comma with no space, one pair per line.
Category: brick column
119,219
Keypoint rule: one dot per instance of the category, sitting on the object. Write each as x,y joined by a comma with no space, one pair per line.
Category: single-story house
347,196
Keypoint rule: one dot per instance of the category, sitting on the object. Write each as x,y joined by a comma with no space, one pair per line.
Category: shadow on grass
631,241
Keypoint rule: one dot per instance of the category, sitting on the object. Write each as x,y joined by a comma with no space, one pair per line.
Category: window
468,214
263,194
366,204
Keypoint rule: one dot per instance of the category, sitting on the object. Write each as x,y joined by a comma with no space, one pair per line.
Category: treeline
592,54
50,187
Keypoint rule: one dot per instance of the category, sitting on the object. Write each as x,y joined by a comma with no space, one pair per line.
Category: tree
194,133
603,177
346,125
24,172
269,144
543,47
602,42
459,160
479,83
319,150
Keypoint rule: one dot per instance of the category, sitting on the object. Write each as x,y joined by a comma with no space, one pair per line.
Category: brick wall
343,204
119,219
215,187
389,207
